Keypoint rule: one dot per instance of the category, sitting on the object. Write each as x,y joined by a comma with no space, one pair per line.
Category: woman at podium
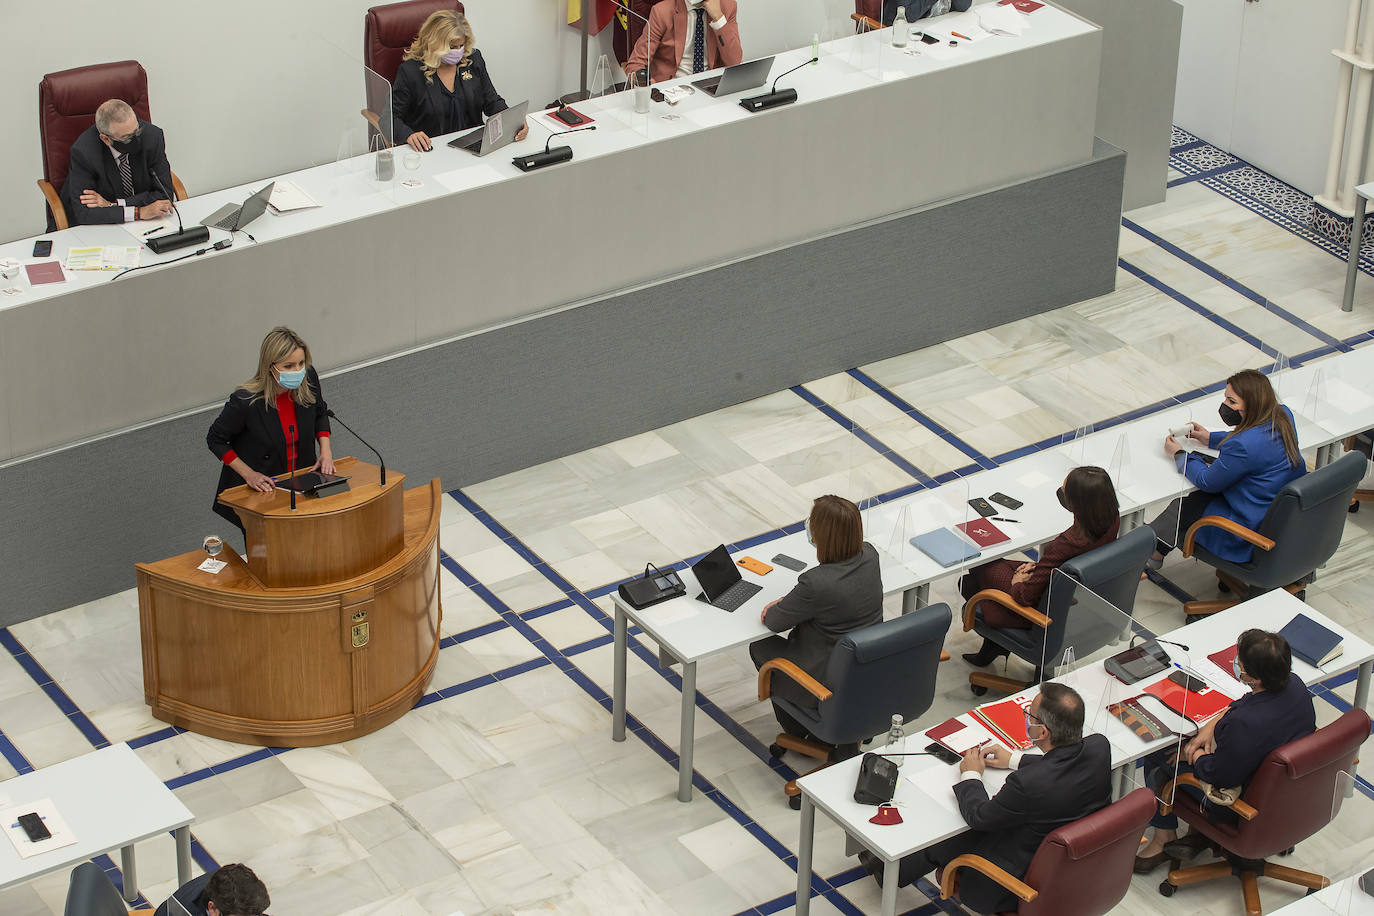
271,422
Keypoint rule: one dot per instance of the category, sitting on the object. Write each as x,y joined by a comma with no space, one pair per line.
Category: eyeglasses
1032,720
138,132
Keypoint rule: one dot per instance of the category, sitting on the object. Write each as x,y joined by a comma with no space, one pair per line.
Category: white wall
262,87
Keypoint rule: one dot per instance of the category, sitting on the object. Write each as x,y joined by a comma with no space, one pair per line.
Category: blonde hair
441,31
279,343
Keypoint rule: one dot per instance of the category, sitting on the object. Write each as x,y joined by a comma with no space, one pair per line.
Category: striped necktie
126,175
699,42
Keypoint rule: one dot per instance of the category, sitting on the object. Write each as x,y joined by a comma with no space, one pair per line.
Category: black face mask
1229,415
127,147
1062,501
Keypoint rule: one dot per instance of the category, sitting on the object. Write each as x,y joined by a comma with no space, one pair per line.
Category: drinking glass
213,545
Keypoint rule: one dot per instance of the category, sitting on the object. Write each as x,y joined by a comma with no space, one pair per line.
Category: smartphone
758,567
787,562
569,117
42,248
1003,499
982,506
1188,682
940,752
929,39
33,827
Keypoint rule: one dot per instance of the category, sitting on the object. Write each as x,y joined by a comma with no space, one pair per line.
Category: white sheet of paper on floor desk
967,737
1001,20
474,176
938,782
44,808
140,229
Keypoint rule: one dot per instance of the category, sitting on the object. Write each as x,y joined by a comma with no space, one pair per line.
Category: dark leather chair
1294,793
67,101
868,15
90,892
1110,573
1300,532
1364,444
387,32
873,673
1081,869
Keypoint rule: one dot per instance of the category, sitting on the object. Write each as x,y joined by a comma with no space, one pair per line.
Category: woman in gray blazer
844,592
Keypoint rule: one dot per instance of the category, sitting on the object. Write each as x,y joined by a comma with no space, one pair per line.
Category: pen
152,230
998,518
959,35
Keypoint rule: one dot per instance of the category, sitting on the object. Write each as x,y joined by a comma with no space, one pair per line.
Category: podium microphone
183,237
291,461
380,460
549,157
775,98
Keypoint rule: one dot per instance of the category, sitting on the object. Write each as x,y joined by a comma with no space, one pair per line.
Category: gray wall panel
477,407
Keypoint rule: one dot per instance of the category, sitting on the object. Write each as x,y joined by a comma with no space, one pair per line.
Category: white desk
928,820
109,799
687,631
1342,898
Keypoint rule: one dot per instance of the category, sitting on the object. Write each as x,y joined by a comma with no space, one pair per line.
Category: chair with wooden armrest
867,15
1101,582
1081,869
1300,531
388,32
67,101
873,673
1295,792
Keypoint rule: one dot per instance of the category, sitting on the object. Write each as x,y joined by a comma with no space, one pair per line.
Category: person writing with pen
1070,778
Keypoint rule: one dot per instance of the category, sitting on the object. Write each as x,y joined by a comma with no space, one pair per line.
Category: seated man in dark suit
231,890
1229,747
1069,779
110,179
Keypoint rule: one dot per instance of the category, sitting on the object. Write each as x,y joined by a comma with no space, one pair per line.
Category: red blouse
286,413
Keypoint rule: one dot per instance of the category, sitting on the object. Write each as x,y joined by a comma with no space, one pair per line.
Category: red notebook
45,272
1196,706
1224,658
1007,720
982,532
1025,6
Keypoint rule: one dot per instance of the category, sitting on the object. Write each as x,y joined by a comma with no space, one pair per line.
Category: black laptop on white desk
721,584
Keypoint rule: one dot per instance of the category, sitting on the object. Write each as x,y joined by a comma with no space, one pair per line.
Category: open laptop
231,218
748,75
499,131
721,583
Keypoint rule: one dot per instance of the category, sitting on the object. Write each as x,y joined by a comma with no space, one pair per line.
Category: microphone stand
183,237
775,98
533,161
380,460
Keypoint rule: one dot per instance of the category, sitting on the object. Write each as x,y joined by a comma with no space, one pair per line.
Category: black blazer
1044,793
188,895
918,9
254,433
94,169
418,105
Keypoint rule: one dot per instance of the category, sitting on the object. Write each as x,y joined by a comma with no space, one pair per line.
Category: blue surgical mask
809,539
1235,669
290,380
454,57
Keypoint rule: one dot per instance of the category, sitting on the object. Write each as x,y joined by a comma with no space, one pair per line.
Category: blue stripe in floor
1205,312
1233,284
863,435
1208,173
14,756
79,719
867,381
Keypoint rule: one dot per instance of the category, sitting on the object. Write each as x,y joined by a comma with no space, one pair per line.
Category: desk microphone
183,237
534,161
291,461
775,98
380,460
1168,642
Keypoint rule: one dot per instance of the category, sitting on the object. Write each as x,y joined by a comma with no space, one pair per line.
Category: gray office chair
873,673
90,892
1300,532
1111,573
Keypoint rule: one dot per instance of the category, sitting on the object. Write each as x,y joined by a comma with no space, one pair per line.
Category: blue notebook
1310,641
945,547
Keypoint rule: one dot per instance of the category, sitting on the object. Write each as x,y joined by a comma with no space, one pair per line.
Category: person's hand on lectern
260,482
326,463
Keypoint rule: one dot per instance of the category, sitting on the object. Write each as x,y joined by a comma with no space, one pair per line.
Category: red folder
1007,720
1025,6
942,731
982,532
1224,658
45,272
1196,706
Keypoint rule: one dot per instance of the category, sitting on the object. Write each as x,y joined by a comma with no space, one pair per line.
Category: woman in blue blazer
1256,459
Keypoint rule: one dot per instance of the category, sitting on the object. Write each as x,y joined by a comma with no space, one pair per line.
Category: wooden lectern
329,631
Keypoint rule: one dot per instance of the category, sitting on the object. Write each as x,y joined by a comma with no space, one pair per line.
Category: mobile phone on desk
758,567
34,828
787,562
1187,681
569,117
929,39
1003,499
982,506
42,248
940,752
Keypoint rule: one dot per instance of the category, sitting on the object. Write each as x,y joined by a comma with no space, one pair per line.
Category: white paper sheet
967,737
44,808
1001,20
938,782
669,612
142,229
474,176
288,196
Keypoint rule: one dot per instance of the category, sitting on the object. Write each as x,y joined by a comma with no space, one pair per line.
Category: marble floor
502,792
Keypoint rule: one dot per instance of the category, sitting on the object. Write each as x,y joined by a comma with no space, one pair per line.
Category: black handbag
652,587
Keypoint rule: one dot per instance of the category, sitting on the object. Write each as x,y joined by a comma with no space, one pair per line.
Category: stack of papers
287,196
110,257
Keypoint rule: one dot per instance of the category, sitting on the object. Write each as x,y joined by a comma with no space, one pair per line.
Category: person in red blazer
668,45
1089,494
